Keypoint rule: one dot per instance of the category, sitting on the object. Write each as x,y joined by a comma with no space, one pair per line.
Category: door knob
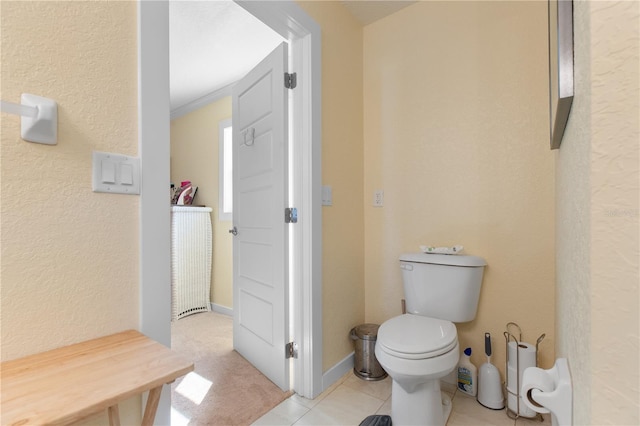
233,231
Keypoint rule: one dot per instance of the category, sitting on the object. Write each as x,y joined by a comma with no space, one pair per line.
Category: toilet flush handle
406,267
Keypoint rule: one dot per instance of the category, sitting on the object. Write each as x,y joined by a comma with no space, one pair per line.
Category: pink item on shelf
186,197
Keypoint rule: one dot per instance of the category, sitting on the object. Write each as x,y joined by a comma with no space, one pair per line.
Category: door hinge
290,80
290,215
291,350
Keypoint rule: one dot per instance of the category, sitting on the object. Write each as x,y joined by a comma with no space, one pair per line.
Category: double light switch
116,173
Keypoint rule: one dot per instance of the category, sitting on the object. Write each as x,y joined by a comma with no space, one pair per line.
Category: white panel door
260,249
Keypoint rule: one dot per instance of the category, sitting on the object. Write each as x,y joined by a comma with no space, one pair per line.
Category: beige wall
194,157
69,256
456,134
597,188
342,169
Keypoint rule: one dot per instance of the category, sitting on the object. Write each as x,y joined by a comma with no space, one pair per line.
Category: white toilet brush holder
490,388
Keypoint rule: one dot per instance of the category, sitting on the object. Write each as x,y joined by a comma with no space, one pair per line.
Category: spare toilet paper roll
522,355
536,378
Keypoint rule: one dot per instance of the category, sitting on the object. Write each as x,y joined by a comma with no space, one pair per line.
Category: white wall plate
116,173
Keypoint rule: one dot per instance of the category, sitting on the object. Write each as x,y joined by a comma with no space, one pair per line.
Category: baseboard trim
221,309
334,374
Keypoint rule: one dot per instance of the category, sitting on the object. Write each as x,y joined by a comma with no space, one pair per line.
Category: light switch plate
116,173
327,196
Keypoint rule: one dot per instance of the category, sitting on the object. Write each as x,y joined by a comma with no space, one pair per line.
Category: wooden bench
68,384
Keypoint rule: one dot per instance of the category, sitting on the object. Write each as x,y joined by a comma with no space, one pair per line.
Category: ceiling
214,43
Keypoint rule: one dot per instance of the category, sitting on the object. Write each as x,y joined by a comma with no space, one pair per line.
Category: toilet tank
442,286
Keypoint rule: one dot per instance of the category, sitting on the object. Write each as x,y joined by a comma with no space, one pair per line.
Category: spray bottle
467,374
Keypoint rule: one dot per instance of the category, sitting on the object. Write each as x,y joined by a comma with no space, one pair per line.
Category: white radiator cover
191,249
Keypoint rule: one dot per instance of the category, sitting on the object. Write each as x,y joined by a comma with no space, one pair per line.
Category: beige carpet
238,395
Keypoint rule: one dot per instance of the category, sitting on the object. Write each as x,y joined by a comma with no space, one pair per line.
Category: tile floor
351,399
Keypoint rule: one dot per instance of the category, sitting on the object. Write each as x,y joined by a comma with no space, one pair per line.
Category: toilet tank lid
443,259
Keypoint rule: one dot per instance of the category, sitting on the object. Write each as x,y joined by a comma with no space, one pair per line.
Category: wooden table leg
114,415
152,406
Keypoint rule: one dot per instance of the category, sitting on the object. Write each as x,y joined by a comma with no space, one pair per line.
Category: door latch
233,231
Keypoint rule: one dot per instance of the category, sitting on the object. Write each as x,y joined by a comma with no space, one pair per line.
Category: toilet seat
417,337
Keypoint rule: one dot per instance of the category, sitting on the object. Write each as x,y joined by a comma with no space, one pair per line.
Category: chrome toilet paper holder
510,336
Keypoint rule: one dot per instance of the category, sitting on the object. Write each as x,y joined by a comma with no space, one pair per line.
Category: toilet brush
489,385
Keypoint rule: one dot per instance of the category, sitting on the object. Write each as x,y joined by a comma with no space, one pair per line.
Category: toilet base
426,405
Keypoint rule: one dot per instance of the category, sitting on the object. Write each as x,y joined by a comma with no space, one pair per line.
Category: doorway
292,22
212,42
212,45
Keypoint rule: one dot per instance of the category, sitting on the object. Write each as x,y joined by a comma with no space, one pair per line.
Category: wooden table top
70,383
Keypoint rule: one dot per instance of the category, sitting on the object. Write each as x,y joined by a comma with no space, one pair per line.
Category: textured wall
615,189
69,256
456,134
573,239
342,226
194,157
598,214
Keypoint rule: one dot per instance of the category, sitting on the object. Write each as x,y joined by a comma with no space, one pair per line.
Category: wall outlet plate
378,198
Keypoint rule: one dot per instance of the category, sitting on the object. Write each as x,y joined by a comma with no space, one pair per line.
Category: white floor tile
310,403
343,406
468,411
386,408
380,389
286,413
351,400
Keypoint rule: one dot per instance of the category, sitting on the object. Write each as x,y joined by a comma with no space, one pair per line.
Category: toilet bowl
416,352
418,348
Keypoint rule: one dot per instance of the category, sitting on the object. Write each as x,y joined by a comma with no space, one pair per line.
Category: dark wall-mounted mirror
560,67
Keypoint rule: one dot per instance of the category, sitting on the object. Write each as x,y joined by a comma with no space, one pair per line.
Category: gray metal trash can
366,366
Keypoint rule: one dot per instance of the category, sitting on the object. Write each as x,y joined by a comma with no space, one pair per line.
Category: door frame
303,33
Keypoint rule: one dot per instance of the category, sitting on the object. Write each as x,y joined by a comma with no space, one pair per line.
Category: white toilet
418,348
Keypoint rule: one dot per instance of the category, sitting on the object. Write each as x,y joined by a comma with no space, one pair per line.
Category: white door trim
289,20
154,151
